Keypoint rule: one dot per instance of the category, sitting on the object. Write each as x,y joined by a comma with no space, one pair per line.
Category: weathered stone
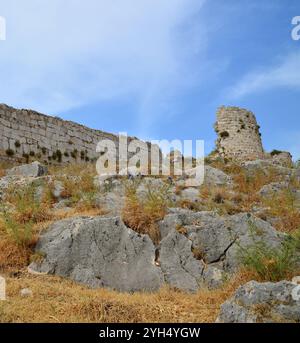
34,169
212,176
99,252
266,166
283,159
262,303
26,292
221,238
191,194
238,134
214,277
180,268
53,139
57,189
272,188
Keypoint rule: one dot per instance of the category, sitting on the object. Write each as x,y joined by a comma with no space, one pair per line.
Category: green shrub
58,155
9,152
224,134
21,233
26,156
272,264
275,152
44,151
17,144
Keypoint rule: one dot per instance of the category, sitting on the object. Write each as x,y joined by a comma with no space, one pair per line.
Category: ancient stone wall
238,134
28,134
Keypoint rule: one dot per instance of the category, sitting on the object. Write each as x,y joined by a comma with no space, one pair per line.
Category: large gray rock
212,176
190,193
99,252
181,269
266,166
34,169
220,238
273,188
262,303
215,176
103,252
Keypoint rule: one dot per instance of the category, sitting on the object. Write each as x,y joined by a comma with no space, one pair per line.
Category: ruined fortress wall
238,134
26,133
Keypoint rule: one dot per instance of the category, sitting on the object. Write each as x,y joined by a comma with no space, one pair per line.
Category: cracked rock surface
103,252
99,252
219,238
262,303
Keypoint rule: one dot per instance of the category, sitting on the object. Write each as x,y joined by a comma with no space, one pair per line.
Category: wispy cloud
284,74
63,54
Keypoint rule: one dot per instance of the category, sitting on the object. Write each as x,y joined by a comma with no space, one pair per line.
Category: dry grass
244,193
286,209
221,199
58,300
142,215
4,166
24,215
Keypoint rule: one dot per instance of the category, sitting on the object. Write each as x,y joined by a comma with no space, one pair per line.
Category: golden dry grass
142,215
141,218
58,300
286,209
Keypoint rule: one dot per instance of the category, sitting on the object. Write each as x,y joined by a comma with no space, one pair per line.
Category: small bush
74,154
32,153
17,144
21,233
142,215
272,264
224,134
58,155
9,152
284,206
26,205
275,152
26,156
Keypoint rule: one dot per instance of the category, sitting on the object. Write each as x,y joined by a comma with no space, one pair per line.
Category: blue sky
157,69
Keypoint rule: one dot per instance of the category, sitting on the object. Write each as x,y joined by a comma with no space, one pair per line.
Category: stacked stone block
238,135
26,133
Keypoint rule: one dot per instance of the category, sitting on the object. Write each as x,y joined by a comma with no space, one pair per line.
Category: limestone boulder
35,169
212,176
178,264
99,252
221,238
263,303
273,188
266,166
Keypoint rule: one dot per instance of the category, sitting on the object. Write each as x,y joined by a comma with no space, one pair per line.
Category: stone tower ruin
238,134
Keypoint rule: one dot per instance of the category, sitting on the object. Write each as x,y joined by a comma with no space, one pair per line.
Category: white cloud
284,74
62,54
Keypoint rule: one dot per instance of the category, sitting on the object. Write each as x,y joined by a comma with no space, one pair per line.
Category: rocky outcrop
196,249
99,252
180,267
220,238
34,169
266,166
34,174
263,303
212,176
